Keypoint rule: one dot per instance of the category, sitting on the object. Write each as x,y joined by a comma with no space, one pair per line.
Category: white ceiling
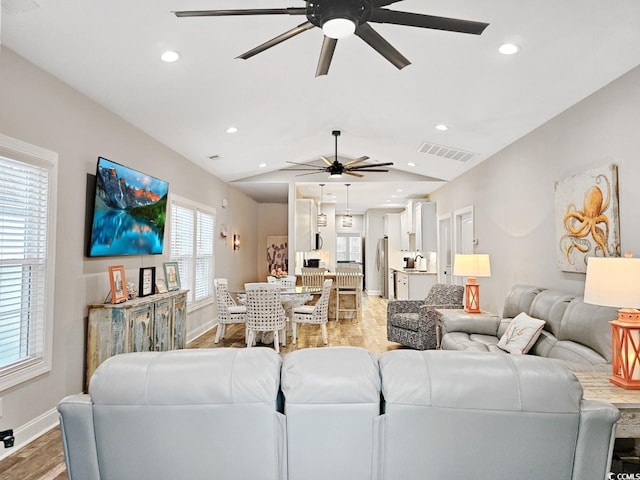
110,51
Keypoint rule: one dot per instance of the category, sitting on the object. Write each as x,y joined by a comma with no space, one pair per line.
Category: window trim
26,370
186,203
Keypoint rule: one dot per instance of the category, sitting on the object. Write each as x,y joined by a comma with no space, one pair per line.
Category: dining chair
228,311
317,314
312,277
348,286
288,281
265,313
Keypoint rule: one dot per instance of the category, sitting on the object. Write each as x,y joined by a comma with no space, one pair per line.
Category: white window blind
192,247
25,264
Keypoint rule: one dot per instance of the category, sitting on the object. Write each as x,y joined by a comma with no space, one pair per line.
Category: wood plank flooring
43,458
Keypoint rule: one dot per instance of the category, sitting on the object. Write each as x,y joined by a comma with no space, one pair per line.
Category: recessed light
170,56
508,49
442,127
399,190
232,129
411,164
262,165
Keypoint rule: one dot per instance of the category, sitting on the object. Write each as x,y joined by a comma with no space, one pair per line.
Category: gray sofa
340,413
575,332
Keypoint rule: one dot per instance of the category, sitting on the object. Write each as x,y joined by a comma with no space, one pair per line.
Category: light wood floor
43,458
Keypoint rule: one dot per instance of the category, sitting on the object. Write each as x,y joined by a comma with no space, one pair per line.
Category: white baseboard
201,330
32,430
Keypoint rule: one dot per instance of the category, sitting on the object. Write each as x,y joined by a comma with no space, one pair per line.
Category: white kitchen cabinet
391,228
425,226
402,285
306,224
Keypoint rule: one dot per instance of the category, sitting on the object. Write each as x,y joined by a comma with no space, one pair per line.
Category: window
348,247
192,246
28,177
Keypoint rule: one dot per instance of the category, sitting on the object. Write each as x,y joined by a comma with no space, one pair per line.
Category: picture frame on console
161,286
118,284
171,275
147,281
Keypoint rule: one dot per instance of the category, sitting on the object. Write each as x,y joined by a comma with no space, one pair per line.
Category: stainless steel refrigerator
382,266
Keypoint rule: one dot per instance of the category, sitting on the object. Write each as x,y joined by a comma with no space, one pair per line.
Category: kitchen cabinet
306,224
412,285
402,285
425,226
391,228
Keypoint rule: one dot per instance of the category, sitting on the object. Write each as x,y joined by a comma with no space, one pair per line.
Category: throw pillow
522,333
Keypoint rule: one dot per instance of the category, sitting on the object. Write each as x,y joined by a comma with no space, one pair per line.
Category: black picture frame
147,282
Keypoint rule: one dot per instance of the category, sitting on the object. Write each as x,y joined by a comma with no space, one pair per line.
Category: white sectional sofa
575,332
334,413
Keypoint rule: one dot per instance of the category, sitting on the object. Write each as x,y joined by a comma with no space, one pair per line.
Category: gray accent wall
513,192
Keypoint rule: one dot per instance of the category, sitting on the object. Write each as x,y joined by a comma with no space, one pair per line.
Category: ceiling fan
336,169
341,18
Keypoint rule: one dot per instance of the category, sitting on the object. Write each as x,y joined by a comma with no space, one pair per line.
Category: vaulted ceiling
111,51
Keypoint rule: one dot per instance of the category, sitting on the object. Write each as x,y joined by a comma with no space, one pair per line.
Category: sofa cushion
519,299
408,321
550,305
521,334
589,325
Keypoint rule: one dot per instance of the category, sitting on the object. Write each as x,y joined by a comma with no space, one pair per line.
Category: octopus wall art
587,220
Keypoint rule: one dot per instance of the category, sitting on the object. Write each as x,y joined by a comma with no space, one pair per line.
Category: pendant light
347,220
322,218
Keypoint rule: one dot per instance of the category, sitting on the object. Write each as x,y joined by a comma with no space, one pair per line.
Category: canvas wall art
587,219
277,253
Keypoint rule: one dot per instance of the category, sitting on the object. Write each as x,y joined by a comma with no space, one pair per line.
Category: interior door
463,239
444,257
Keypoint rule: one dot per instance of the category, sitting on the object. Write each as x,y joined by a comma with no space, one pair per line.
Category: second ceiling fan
341,18
337,169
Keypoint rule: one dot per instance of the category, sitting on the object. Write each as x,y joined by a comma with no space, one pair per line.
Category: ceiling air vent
445,152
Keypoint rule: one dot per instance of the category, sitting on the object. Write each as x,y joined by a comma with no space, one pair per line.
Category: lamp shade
613,282
472,265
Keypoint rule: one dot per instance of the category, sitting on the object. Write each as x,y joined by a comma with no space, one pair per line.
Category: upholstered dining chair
312,277
265,313
228,311
317,314
348,284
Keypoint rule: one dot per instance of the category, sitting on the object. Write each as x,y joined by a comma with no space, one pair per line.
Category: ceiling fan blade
327,161
252,11
371,165
326,54
382,15
380,45
367,170
353,174
303,164
275,41
383,3
357,160
310,173
292,169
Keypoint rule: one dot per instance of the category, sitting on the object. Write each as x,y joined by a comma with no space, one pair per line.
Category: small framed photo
161,286
118,284
171,275
147,281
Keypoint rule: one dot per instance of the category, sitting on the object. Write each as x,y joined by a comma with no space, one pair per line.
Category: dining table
290,297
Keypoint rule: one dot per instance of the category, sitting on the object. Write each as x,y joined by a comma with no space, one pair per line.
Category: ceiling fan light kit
342,18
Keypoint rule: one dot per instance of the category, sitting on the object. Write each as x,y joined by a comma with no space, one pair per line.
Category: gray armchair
413,322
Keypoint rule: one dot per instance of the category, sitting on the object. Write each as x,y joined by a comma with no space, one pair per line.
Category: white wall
37,108
513,192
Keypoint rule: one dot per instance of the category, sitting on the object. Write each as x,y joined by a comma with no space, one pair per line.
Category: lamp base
472,296
625,337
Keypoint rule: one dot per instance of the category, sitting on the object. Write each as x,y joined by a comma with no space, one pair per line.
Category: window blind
24,193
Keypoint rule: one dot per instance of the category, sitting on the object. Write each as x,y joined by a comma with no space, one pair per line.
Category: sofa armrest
79,438
404,306
594,448
470,323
